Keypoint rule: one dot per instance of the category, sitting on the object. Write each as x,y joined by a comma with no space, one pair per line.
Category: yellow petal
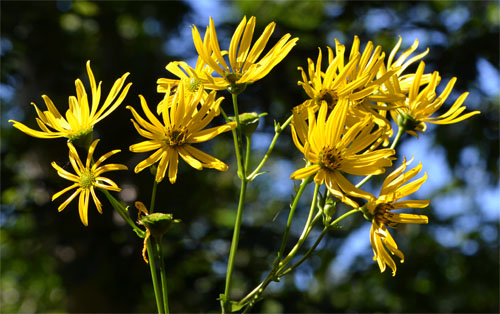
193,162
408,218
172,168
75,185
209,134
96,200
150,160
207,160
83,207
66,202
305,172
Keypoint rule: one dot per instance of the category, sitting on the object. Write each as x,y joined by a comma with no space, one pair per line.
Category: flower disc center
330,97
87,179
176,137
193,84
383,214
330,158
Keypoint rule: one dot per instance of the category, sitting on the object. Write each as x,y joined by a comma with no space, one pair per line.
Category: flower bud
158,223
249,122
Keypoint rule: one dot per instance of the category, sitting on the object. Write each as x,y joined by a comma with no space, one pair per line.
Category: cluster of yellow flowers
339,128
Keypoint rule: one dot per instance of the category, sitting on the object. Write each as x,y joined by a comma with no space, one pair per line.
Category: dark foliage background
51,263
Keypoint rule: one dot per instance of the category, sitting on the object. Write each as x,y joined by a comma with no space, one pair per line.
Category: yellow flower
355,80
330,152
359,81
183,124
80,119
420,105
381,209
243,66
199,77
86,178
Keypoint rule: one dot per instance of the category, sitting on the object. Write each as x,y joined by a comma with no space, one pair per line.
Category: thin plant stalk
278,129
153,196
122,211
260,288
154,277
239,214
313,247
281,272
163,276
295,202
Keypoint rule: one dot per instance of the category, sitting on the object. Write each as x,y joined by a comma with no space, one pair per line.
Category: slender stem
123,213
298,245
239,214
345,215
235,139
247,155
397,138
278,130
306,255
154,276
278,272
153,197
272,274
236,238
307,228
311,210
313,247
239,137
163,276
295,202
393,145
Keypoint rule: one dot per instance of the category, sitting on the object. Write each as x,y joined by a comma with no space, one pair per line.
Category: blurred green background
50,262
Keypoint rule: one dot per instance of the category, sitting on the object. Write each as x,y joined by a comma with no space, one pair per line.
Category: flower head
193,79
86,179
182,125
355,80
243,67
332,151
80,119
420,105
381,209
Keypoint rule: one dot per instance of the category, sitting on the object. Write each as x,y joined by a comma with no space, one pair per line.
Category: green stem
295,202
154,277
313,247
153,197
163,276
311,211
239,214
276,273
345,215
300,242
277,265
123,213
236,147
306,255
393,145
278,129
247,155
239,136
397,138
